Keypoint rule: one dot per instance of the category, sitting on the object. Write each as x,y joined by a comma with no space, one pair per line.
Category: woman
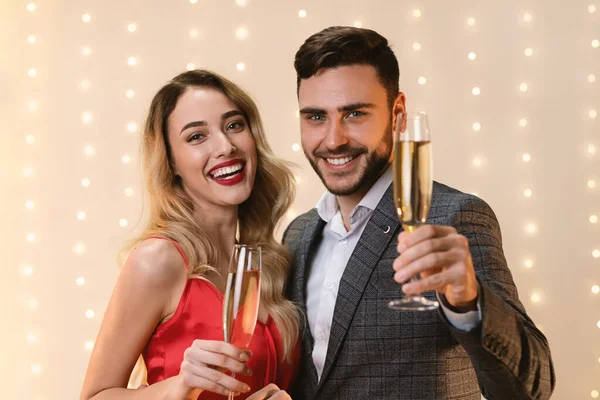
208,171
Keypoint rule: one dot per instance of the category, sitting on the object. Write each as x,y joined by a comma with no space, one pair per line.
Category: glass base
413,303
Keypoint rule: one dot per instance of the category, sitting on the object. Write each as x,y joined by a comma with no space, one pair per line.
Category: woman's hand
271,392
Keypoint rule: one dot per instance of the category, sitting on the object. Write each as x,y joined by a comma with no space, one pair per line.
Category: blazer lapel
376,237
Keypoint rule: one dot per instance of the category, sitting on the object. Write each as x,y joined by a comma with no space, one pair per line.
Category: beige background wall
66,117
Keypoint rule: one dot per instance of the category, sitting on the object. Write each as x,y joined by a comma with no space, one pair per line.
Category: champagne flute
242,296
413,184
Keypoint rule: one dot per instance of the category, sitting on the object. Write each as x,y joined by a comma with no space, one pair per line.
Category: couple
324,329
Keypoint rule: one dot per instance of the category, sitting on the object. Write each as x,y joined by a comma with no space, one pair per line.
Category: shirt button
344,241
329,285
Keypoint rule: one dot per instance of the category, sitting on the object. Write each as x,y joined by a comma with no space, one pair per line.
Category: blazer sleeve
510,355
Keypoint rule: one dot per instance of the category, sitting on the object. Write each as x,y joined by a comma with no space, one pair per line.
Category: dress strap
185,259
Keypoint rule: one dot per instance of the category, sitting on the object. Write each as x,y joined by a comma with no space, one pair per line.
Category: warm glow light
194,33
472,56
80,281
298,179
123,223
36,369
81,215
30,237
131,61
595,392
591,148
85,84
527,193
476,91
27,270
595,289
527,17
528,263
89,345
592,8
523,87
89,150
593,219
126,159
27,172
87,117
32,303
422,80
79,248
596,253
471,21
476,126
89,314
302,13
593,114
190,66
591,78
31,7
128,192
31,39
536,297
32,337
240,3
296,147
85,182
193,1
591,183
528,52
595,43
132,127
416,46
86,18
241,33
531,228
30,139
523,122
129,94
29,205
32,106
526,157
86,51
357,24
132,28
240,66
416,13
477,162
32,72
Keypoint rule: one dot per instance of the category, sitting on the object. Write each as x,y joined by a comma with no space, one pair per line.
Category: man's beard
377,161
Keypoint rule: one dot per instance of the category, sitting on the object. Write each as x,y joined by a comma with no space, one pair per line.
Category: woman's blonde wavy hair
171,210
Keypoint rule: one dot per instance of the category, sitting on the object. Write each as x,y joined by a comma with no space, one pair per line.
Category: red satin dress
199,316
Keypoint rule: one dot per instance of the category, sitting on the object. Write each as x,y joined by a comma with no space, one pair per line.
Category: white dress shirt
331,258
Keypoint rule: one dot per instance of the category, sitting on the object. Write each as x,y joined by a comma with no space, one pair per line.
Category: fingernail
400,277
402,247
244,356
246,388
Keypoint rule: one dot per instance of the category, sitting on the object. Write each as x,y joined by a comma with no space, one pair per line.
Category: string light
596,253
30,139
31,7
194,33
302,13
79,248
85,84
32,303
595,43
29,204
298,179
593,219
523,122
126,159
132,28
30,237
528,263
592,8
27,172
190,66
81,215
593,114
86,18
129,94
526,157
241,33
89,345
85,182
595,289
128,192
591,78
523,87
591,148
36,369
123,223
80,281
476,126
536,297
193,1
471,21
32,106
416,46
27,270
296,147
87,117
132,127
31,39
89,314
476,91
32,72
357,24
591,183
86,51
527,193
240,3
240,66
89,150
595,392
477,162
416,13
527,17
422,80
528,52
531,228
132,61
32,337
472,56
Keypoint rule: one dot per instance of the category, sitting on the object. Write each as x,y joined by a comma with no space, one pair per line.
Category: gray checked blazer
378,353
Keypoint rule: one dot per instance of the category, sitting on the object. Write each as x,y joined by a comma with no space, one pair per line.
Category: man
346,266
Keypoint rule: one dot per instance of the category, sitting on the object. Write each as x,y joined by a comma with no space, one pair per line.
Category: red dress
199,316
